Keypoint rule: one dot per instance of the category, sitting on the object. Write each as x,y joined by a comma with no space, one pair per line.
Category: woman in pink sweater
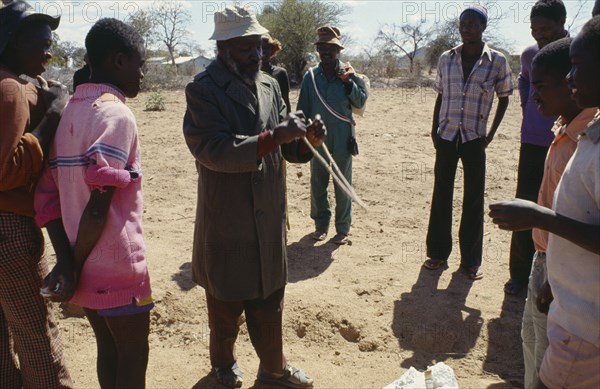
90,200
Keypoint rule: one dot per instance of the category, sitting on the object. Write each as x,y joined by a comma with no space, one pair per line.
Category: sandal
291,378
513,287
434,264
231,377
474,273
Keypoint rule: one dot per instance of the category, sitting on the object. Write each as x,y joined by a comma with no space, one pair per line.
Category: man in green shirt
339,87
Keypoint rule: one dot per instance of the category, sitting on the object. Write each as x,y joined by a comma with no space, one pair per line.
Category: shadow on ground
435,323
504,343
183,277
305,260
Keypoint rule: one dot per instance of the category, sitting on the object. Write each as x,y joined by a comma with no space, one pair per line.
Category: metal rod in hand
338,171
341,180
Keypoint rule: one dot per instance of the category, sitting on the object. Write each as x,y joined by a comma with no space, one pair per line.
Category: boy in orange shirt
553,97
573,251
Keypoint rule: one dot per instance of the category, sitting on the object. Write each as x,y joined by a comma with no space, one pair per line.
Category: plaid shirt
466,105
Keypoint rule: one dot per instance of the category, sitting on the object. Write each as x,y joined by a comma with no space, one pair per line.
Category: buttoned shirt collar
486,50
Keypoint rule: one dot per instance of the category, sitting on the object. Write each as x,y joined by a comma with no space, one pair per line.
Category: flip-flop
291,378
475,273
231,377
434,264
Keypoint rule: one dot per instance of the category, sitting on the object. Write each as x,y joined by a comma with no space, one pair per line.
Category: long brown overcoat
240,238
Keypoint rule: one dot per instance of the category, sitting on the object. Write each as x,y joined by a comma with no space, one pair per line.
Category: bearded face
242,56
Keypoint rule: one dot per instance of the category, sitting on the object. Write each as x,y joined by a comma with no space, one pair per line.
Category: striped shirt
466,105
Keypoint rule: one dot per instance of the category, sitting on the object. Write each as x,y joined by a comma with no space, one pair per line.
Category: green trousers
320,211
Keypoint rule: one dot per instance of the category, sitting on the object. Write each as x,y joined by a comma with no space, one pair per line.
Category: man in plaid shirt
468,76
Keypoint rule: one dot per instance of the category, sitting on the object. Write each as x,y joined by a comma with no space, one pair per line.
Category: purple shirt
535,129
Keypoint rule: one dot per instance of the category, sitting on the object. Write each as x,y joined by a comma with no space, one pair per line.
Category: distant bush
157,77
155,102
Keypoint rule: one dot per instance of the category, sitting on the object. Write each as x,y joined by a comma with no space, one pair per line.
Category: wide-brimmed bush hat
330,35
234,22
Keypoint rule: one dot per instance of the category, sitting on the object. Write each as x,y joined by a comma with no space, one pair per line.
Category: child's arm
61,281
520,215
500,111
523,80
91,225
503,88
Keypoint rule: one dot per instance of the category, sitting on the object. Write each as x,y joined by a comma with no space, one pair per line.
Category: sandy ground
356,316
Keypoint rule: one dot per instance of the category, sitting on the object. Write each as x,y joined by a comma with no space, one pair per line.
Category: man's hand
346,72
54,94
517,214
60,283
544,298
292,128
316,132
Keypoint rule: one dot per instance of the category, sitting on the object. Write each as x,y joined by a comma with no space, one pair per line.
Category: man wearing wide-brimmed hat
29,117
338,85
237,130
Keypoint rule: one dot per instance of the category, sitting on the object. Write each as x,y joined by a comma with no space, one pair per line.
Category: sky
361,21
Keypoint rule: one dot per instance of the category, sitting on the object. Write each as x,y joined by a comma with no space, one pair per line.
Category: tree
78,57
377,61
192,48
62,52
294,23
405,39
142,22
171,19
446,37
572,25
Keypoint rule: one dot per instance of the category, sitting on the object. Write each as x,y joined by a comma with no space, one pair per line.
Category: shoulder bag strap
331,110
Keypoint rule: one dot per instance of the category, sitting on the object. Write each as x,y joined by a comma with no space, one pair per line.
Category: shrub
160,77
155,102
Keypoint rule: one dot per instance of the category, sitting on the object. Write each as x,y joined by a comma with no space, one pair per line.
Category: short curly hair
589,35
554,57
552,9
109,35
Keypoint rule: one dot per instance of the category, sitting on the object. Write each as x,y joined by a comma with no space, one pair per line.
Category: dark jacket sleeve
208,137
296,151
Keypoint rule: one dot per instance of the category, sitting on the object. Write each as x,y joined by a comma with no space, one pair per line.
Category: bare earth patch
356,316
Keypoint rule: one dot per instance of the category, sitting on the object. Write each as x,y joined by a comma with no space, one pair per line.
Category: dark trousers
264,321
531,172
439,234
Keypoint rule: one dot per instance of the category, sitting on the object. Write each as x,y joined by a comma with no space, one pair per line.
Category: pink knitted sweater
96,145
